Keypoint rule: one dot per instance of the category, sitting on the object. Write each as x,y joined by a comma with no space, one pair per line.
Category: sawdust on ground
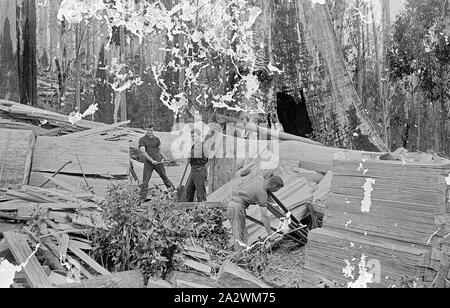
285,265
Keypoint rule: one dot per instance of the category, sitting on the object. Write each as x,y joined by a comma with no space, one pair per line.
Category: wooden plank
191,285
198,255
39,194
9,227
323,188
21,251
3,246
191,280
80,245
25,196
328,251
60,217
198,266
157,283
62,184
193,205
97,158
88,260
15,153
94,131
37,113
254,128
130,279
309,153
29,159
323,168
29,212
100,184
58,279
232,276
436,254
83,270
14,206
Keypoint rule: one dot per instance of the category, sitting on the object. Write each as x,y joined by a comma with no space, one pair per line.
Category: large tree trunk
9,79
343,113
385,89
77,66
123,95
26,45
359,42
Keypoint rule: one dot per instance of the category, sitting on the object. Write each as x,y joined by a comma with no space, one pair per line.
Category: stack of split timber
79,163
392,218
21,123
24,116
53,223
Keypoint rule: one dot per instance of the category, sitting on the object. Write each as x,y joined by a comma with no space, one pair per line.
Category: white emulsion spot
366,203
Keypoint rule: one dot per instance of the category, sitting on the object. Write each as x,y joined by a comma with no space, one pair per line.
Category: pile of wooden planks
295,195
67,210
35,116
54,222
77,165
86,156
388,216
229,276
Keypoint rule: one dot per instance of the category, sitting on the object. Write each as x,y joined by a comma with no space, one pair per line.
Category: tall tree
421,55
26,49
342,106
9,83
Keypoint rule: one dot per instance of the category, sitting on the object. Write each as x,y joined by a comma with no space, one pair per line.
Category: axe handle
184,174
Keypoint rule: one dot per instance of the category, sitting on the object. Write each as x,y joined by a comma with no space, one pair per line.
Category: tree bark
385,89
77,67
9,79
26,50
346,114
123,95
360,53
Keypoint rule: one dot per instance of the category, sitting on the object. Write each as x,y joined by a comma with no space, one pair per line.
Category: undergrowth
150,236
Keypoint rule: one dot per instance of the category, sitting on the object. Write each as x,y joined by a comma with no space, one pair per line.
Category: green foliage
255,261
419,65
150,236
420,46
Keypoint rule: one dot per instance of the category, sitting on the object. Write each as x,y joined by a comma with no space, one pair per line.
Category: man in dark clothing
255,192
199,173
150,147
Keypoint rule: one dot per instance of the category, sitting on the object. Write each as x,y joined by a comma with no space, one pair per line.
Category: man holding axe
252,193
150,147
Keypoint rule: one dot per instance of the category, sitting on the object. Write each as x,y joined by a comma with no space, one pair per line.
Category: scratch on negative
432,235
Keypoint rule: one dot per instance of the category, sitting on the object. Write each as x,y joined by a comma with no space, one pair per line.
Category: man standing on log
199,173
255,192
150,147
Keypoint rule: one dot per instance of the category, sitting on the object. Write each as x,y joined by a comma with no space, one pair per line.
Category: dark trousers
197,182
148,171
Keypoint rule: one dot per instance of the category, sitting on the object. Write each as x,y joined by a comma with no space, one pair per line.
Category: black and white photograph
224,151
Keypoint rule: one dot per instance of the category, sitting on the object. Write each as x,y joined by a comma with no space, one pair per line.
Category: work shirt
198,156
252,193
151,147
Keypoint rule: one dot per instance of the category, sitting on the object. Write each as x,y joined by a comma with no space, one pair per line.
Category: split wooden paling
402,234
58,211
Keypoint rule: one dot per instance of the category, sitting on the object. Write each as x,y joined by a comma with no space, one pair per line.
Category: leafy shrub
150,236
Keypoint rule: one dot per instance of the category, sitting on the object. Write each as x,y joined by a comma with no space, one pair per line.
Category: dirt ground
285,266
